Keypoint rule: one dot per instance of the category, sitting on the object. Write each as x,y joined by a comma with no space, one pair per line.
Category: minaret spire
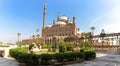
58,15
44,15
74,20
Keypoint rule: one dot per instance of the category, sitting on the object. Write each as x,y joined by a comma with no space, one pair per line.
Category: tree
102,35
81,44
62,46
92,28
87,35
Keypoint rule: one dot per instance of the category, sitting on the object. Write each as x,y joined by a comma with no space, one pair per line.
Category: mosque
62,28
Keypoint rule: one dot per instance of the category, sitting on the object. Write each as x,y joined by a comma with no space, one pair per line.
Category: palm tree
86,35
92,28
102,35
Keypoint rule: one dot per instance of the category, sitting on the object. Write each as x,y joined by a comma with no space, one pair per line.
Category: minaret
58,15
44,15
74,20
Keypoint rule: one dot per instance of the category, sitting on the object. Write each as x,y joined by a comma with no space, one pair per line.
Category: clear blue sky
25,16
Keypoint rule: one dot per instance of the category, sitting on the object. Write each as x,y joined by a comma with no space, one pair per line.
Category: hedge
28,58
17,51
89,54
46,59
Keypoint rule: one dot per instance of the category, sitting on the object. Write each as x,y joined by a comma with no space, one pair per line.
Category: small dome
49,26
62,18
60,23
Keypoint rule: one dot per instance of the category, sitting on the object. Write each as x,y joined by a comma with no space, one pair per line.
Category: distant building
62,28
31,40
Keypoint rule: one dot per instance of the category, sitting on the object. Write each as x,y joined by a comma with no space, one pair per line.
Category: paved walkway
101,60
8,62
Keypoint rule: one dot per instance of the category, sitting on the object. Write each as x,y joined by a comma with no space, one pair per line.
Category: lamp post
18,43
102,35
117,42
37,39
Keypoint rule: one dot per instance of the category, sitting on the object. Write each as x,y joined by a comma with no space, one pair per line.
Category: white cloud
110,20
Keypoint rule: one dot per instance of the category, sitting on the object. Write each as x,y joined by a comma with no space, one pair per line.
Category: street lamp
117,40
102,35
37,39
18,43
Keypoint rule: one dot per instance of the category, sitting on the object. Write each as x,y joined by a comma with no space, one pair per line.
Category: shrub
30,46
79,55
70,56
14,53
54,48
89,54
46,46
62,48
46,58
17,51
59,57
69,47
83,49
28,58
22,56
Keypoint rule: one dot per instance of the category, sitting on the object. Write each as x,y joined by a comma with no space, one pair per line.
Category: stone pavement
8,62
103,59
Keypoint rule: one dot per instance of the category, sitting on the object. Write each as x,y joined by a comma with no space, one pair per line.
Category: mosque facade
62,28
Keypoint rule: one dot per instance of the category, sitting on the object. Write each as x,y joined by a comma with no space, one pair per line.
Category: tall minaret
74,20
44,15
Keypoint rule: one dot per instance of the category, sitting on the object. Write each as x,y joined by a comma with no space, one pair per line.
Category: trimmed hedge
45,59
17,51
89,54
28,58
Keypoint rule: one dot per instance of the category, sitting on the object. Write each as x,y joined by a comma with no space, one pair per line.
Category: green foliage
46,58
69,47
17,51
80,55
89,54
46,46
59,57
54,48
30,46
70,56
85,44
38,44
19,43
82,50
22,56
28,58
4,45
62,48
61,41
88,44
81,44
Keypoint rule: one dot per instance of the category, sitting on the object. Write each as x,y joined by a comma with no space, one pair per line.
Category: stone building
62,28
33,39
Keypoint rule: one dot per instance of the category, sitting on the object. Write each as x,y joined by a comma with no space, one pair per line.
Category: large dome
63,18
60,23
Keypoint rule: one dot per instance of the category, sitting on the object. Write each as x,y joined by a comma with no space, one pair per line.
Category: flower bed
52,59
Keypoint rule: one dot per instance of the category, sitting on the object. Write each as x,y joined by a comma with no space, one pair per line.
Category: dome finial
58,15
